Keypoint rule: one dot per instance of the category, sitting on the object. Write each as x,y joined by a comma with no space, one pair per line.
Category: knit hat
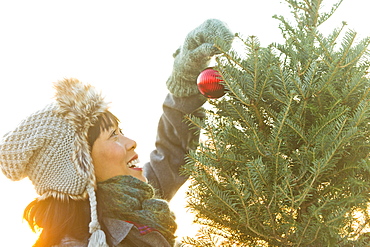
50,147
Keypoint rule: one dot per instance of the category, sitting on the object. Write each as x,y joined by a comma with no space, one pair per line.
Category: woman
84,168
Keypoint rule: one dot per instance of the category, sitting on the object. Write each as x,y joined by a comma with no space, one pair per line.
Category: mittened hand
195,55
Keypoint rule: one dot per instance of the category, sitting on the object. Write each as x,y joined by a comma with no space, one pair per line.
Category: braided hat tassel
97,238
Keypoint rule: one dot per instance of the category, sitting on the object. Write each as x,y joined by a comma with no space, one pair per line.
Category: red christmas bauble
209,83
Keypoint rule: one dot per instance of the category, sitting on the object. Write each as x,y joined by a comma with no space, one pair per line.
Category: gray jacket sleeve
174,139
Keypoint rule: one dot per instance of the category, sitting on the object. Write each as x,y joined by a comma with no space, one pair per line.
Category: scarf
130,199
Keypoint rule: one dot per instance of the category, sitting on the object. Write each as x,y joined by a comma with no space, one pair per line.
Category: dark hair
60,218
104,122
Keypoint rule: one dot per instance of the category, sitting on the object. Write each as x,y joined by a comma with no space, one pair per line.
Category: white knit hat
50,147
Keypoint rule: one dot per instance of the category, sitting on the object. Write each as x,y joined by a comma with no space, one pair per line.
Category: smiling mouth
132,163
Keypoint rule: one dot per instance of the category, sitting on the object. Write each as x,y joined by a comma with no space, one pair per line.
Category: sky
124,48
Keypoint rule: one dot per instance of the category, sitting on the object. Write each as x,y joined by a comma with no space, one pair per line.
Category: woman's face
114,154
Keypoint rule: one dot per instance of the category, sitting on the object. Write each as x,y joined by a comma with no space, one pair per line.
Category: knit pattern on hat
50,146
195,55
41,148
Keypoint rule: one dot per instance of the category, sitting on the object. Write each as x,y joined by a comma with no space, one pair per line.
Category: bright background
123,48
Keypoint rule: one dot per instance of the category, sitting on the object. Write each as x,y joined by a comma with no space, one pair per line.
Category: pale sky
123,48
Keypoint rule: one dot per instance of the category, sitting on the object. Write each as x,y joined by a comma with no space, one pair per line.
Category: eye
114,133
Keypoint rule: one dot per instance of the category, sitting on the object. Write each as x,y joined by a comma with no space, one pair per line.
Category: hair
104,122
59,218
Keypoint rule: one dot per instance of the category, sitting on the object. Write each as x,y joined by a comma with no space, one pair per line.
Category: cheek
109,159
110,154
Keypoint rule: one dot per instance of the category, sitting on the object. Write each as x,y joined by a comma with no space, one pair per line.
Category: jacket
122,234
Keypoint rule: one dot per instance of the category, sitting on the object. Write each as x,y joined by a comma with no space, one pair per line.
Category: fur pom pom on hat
50,147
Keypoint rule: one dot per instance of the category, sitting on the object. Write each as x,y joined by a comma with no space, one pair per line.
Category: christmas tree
285,161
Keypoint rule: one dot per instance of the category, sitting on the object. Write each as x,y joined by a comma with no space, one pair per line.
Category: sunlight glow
123,48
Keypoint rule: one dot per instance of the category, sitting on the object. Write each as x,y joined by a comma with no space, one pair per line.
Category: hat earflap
80,105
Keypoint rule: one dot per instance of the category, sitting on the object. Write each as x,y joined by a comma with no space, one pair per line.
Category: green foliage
286,158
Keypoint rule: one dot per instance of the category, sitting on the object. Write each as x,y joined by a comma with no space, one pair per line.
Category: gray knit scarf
130,199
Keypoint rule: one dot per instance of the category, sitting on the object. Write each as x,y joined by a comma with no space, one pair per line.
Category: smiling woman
76,157
122,47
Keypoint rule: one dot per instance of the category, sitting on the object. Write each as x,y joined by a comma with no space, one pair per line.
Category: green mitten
195,55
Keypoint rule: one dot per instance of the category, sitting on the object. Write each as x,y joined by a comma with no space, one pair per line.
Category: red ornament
209,83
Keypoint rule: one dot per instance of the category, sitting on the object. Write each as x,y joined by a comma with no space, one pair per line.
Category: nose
130,144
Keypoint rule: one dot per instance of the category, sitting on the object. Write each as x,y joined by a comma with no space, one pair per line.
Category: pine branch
286,162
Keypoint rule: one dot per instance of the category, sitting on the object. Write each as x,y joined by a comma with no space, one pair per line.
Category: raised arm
174,137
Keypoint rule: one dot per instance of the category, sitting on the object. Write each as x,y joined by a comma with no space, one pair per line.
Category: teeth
132,163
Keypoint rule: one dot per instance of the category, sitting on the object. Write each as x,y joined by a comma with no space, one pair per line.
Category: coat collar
118,229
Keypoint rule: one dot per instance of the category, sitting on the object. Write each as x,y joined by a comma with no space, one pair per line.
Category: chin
138,173
142,178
